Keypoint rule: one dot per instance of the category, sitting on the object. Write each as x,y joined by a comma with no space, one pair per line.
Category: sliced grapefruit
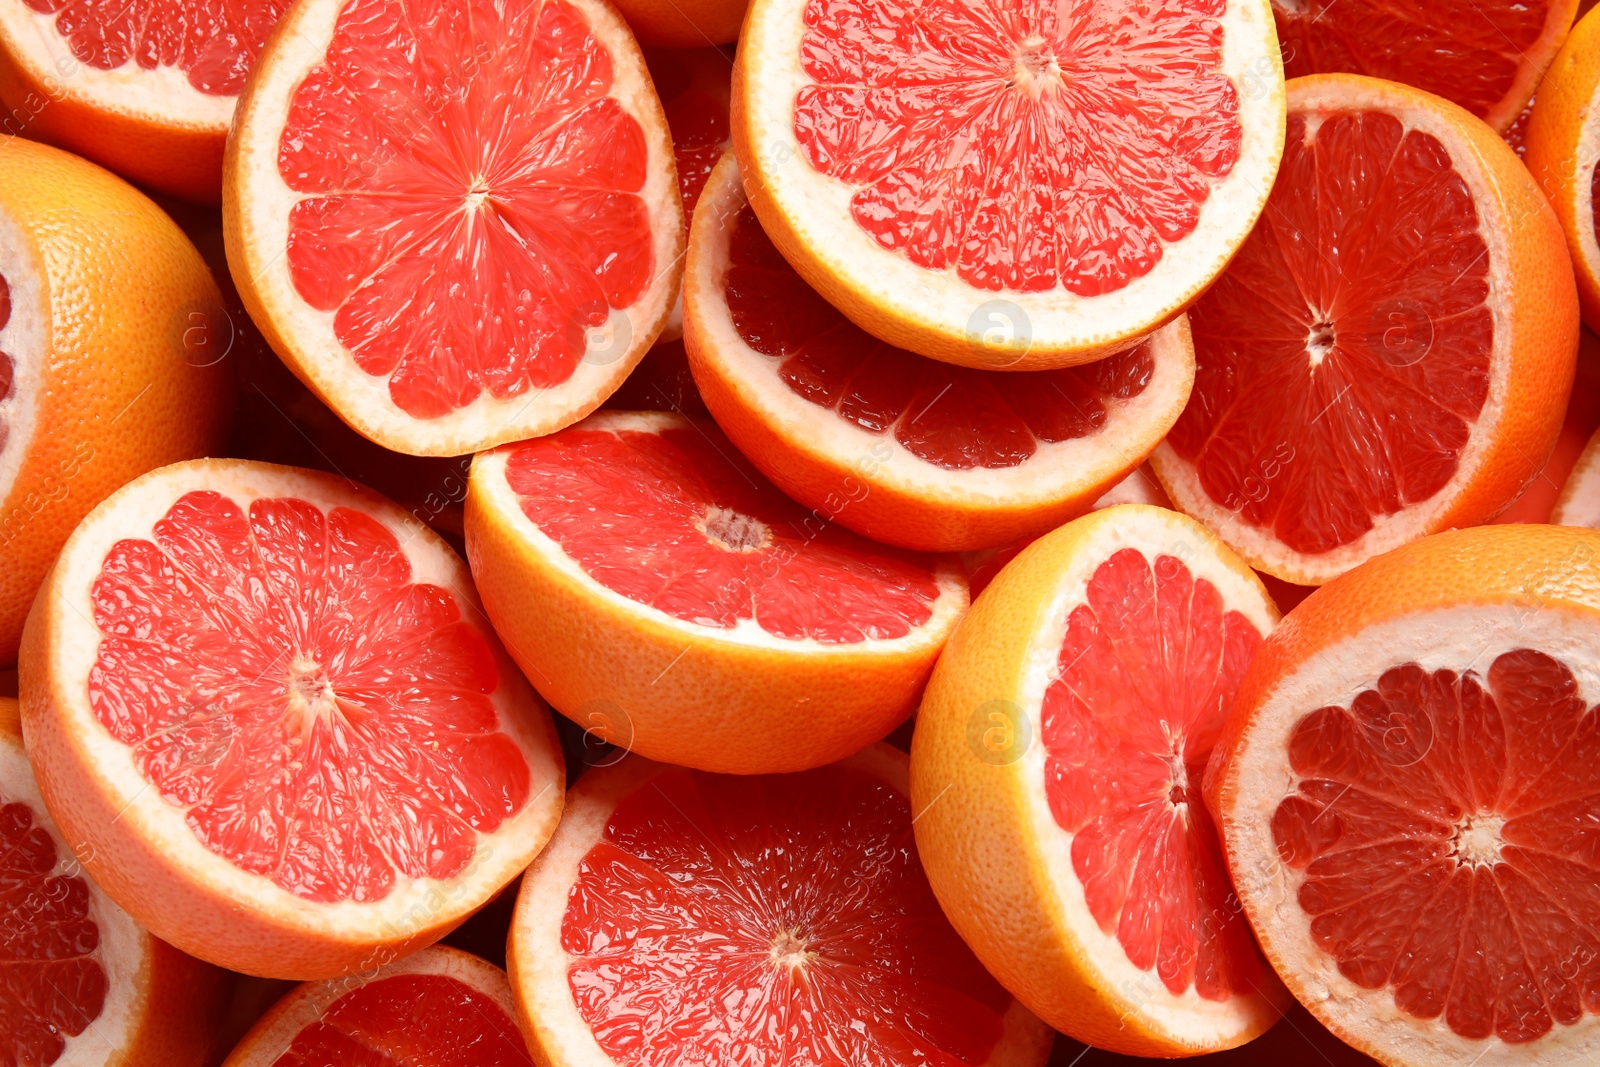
1564,154
1056,768
1024,186
460,226
1487,55
267,700
659,592
1391,352
680,917
81,984
1406,792
440,1007
906,450
113,347
1579,502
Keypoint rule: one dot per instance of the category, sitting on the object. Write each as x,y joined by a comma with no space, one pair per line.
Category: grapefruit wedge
266,699
1056,768
1579,502
460,225
81,984
906,450
683,918
1026,186
662,594
1391,352
440,1007
1406,792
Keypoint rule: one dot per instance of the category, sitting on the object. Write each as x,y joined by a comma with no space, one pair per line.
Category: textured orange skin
974,830
1544,568
182,996
118,395
683,23
1569,92
1542,348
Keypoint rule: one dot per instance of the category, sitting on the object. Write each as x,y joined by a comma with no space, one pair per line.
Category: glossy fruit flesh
1028,146
1444,826
1468,53
470,196
727,920
1344,354
323,720
410,1020
213,42
697,118
949,416
673,521
52,985
1147,672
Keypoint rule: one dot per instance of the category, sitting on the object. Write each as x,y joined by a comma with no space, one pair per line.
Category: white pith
489,471
413,904
362,399
1259,778
1055,471
1579,502
1260,546
1585,156
304,1005
818,207
124,950
26,339
1186,1018
539,962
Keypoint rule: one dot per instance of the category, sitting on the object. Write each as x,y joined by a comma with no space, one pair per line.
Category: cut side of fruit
1063,740
1579,502
440,1007
1487,57
906,450
689,918
534,248
978,186
643,574
1405,791
1391,352
282,683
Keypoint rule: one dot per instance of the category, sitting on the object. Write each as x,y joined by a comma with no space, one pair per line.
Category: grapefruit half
683,918
267,700
660,593
1406,791
906,450
1391,352
1025,186
1056,768
459,225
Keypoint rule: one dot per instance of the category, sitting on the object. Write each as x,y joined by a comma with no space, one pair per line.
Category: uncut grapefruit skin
121,393
974,828
1538,332
1537,567
129,861
1563,147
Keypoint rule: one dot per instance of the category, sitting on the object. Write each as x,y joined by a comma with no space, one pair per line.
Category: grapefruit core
977,184
458,229
267,700
683,918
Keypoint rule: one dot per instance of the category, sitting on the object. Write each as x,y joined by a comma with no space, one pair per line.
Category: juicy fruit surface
322,719
697,117
213,42
672,521
410,1020
1147,673
1443,823
724,920
470,195
1343,357
1025,146
52,985
1468,53
949,416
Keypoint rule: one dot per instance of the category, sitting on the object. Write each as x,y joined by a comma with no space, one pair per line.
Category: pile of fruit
537,532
